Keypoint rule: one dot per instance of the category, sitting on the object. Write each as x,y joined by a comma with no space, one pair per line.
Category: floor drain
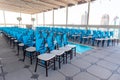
26,66
34,76
83,70
69,78
93,64
20,60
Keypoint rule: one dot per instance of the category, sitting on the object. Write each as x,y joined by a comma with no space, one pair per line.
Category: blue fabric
59,40
40,45
27,41
65,39
111,33
50,43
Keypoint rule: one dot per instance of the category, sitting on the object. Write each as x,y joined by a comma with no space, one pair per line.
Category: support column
53,17
66,16
20,20
37,19
43,18
4,17
88,14
32,21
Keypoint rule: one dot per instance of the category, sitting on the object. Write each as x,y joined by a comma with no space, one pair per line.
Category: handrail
73,25
89,26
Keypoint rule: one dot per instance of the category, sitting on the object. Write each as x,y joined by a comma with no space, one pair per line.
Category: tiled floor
97,64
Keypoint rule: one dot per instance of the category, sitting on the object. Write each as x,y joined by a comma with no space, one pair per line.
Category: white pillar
21,20
4,17
32,21
37,19
88,14
66,16
53,17
43,18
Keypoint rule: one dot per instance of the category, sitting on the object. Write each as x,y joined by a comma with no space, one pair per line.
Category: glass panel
40,18
78,14
26,18
11,17
60,16
1,17
104,12
48,17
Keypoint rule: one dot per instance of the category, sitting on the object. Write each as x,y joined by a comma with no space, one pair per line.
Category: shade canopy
36,6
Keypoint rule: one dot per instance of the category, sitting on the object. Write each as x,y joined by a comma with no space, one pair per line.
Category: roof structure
37,6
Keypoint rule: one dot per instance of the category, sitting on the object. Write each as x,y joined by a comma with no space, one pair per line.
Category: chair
59,53
67,50
43,59
29,50
59,56
20,44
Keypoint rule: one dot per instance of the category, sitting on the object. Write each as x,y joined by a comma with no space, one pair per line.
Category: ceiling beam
20,6
24,3
55,2
69,1
17,8
36,6
40,3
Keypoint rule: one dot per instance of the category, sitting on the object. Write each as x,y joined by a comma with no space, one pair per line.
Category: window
60,16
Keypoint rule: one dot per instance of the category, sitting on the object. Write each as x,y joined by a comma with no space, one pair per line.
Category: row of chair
48,49
93,37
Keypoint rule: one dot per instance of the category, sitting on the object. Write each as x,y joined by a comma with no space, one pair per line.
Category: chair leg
23,49
71,55
31,58
66,57
18,49
46,66
59,63
103,42
112,42
75,51
63,58
108,42
13,44
97,43
54,63
117,41
36,64
24,55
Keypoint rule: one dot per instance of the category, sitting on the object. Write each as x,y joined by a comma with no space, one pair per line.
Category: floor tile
115,77
108,65
99,72
69,70
90,59
85,76
22,74
81,63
